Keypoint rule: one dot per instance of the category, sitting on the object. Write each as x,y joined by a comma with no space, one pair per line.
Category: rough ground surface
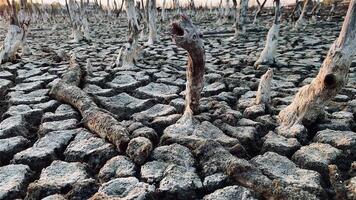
46,153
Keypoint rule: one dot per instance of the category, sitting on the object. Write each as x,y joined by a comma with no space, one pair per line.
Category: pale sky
169,2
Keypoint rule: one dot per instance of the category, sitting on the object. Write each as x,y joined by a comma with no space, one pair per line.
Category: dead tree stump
331,78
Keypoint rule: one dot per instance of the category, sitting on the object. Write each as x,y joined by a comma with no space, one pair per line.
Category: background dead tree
263,97
176,6
268,55
296,11
331,78
16,34
315,11
152,21
300,23
240,23
95,119
163,12
332,10
188,37
129,53
78,21
259,10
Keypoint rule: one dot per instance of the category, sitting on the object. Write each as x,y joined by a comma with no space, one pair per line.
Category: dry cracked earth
46,153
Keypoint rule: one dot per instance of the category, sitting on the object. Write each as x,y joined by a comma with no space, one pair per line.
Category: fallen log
94,118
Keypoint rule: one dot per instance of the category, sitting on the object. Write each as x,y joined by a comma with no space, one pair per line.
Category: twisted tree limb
331,78
188,36
94,118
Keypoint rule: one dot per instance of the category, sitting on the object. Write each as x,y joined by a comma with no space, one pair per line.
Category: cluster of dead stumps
96,115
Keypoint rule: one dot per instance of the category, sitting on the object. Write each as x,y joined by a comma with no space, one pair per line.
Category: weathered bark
331,78
301,21
240,27
16,35
94,118
268,55
263,95
152,19
188,36
129,54
259,10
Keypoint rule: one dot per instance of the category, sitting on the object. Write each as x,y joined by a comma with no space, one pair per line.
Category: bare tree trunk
240,27
235,7
164,10
315,11
187,36
268,55
176,6
331,78
94,118
259,10
152,20
129,53
16,35
332,11
301,21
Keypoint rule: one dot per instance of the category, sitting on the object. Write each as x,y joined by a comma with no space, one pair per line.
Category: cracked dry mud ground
45,153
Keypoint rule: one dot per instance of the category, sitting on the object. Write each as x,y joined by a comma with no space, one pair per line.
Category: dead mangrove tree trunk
268,55
129,53
94,118
188,37
152,20
331,78
240,26
300,23
16,34
259,10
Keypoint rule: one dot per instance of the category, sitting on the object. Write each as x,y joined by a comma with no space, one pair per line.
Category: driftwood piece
94,118
331,78
187,36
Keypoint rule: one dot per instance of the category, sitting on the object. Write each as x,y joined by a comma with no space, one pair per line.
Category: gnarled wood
94,118
187,36
331,78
